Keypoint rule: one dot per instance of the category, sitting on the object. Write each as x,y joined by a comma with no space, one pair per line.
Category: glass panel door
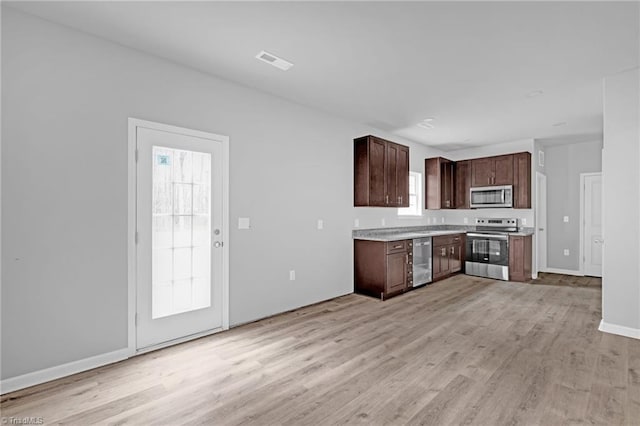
181,231
179,212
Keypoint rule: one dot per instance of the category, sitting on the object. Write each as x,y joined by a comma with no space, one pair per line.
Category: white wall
621,198
563,166
66,99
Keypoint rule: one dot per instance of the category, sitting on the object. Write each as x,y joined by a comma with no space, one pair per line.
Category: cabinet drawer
397,246
444,240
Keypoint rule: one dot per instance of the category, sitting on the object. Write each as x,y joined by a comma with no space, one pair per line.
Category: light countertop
408,233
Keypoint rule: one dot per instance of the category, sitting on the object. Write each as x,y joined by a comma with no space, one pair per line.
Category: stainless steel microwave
491,197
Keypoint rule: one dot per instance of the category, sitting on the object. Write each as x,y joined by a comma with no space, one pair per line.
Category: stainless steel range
488,248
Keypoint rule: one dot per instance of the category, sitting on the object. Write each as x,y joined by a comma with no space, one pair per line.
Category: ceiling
476,68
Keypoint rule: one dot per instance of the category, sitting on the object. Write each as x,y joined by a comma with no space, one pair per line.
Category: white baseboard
620,330
563,271
46,375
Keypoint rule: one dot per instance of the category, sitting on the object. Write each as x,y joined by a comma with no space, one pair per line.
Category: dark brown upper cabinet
522,180
462,184
491,171
381,173
440,182
448,183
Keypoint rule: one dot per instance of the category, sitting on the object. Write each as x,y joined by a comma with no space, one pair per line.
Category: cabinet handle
386,199
443,251
395,247
452,250
406,259
400,198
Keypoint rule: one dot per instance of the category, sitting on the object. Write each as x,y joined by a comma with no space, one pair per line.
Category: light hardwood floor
461,351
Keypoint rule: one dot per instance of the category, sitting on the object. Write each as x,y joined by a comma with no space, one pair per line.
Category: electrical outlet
292,275
244,223
466,220
565,219
320,224
442,219
524,221
356,223
383,221
566,252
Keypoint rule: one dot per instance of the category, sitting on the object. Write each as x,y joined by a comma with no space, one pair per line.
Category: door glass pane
181,231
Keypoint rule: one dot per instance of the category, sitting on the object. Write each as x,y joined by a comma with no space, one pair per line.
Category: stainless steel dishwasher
422,268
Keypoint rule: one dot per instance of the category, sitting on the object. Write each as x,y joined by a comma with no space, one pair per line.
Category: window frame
413,211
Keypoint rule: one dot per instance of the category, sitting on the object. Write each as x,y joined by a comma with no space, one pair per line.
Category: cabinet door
516,258
522,180
391,178
482,172
377,153
462,184
455,258
520,258
402,171
440,262
446,182
503,170
396,272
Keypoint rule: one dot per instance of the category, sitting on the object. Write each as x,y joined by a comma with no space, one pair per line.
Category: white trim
536,224
225,233
419,196
134,123
178,340
131,236
46,375
563,271
581,260
620,330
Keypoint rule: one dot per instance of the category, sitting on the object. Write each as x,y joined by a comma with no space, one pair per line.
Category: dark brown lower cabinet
448,255
520,257
383,269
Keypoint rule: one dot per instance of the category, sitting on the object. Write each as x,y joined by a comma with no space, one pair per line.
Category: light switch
356,223
320,224
566,218
566,252
524,221
244,223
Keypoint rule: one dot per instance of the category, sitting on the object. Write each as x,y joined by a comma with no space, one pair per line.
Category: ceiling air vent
274,60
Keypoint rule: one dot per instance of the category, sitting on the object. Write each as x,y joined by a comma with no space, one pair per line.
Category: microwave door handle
503,192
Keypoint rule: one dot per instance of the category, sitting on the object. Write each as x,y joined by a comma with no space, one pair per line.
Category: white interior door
592,240
179,223
541,221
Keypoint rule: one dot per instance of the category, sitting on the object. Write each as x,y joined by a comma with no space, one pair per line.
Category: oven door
491,249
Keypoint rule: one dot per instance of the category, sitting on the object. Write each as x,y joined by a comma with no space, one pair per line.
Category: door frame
133,124
581,260
537,268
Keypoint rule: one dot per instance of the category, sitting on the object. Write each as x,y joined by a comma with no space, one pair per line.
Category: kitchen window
415,196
